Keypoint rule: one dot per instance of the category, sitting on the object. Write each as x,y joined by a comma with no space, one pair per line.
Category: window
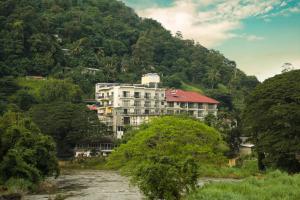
183,112
156,104
162,103
137,103
126,93
211,106
147,112
190,112
191,105
170,112
137,111
125,111
147,95
170,104
200,106
147,103
137,95
201,113
126,120
126,103
182,105
120,128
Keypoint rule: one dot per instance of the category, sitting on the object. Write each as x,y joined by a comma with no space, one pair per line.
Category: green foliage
62,38
8,87
68,124
248,167
24,99
163,156
274,185
190,87
25,153
60,90
272,117
92,163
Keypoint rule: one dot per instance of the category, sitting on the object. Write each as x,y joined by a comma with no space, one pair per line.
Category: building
190,103
121,105
246,147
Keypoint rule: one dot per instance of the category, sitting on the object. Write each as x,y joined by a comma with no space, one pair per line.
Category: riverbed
99,185
91,185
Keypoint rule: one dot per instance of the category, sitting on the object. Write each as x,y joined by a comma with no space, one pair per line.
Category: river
91,185
99,185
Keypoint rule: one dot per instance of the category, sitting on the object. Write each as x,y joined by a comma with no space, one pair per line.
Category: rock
15,196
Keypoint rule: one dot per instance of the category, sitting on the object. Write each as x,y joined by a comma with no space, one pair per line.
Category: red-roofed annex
176,95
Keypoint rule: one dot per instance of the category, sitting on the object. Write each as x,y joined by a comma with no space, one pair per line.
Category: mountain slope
60,37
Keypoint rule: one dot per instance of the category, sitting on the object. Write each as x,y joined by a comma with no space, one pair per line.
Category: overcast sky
260,35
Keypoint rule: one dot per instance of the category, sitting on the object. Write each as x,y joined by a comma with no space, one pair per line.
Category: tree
24,99
163,157
68,124
60,90
272,117
25,153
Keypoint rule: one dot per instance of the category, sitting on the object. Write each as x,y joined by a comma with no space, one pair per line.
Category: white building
129,104
121,105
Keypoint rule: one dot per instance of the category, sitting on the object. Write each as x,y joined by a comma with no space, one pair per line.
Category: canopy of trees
68,124
62,37
272,117
25,153
163,156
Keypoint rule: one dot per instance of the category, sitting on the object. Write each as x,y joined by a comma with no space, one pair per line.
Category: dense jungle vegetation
61,37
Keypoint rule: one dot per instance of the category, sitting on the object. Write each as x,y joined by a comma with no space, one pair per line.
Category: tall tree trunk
261,165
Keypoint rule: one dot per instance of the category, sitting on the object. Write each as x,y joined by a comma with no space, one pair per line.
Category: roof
92,107
248,145
175,95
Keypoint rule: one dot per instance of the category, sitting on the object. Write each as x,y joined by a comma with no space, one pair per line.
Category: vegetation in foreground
275,185
26,155
163,156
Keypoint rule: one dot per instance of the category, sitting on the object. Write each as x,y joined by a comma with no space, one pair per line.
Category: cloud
210,22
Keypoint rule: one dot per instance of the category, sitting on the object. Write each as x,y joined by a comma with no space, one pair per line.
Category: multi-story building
190,103
121,105
129,104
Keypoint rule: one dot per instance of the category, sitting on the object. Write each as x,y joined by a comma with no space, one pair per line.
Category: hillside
59,38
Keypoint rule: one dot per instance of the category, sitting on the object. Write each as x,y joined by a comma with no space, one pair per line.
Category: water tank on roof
150,79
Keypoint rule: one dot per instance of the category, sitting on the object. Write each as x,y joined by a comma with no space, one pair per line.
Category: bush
18,185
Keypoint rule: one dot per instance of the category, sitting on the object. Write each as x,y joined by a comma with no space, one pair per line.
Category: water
92,185
100,185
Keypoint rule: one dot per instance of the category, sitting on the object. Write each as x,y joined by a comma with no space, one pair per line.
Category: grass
249,168
275,185
32,84
190,87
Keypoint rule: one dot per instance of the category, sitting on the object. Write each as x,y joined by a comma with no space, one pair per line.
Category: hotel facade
121,105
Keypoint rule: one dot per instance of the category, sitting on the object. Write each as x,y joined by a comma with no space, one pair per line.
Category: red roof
175,95
92,107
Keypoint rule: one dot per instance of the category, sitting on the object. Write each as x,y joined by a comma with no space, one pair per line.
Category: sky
260,35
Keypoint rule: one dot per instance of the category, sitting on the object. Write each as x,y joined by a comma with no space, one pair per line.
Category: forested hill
59,38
